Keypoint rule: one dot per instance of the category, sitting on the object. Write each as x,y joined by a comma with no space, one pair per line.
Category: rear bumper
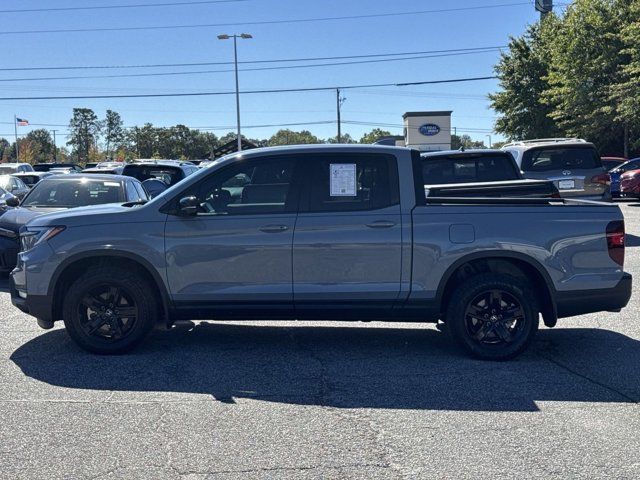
580,302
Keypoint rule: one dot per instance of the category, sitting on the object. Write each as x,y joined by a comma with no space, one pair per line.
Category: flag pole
15,128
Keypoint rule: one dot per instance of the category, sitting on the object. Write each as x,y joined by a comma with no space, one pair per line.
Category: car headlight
32,236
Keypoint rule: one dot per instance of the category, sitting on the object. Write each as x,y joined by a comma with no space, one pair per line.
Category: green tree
143,140
5,150
114,133
290,137
84,131
374,135
626,92
522,73
42,144
344,138
586,58
458,141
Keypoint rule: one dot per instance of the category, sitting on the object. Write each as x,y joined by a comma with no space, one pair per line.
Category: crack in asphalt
576,373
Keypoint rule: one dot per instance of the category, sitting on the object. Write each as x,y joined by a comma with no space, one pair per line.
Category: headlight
32,236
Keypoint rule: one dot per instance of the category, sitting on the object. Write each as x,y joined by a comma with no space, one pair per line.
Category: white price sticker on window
342,177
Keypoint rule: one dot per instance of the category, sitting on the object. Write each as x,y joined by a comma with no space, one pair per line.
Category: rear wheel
493,316
109,310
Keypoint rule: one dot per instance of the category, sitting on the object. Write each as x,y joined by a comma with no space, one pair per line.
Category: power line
282,90
248,62
282,67
263,22
108,7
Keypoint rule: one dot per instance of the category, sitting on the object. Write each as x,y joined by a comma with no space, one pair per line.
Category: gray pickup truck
325,233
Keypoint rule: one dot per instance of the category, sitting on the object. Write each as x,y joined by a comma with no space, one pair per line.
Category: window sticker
342,177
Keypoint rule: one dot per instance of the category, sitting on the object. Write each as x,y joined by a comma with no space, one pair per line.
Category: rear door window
460,169
560,158
352,182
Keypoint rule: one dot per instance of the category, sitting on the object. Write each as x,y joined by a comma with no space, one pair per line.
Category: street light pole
235,62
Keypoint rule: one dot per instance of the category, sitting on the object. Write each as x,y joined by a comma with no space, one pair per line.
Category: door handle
274,228
381,224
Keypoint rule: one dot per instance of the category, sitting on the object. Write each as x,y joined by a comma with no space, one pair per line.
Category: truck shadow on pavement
346,367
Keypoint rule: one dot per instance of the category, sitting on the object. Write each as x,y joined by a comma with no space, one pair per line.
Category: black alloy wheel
494,317
108,312
110,309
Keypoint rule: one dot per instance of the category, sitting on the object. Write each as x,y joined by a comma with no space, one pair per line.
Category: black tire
109,310
493,316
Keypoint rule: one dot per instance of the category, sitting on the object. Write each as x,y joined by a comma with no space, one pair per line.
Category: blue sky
423,32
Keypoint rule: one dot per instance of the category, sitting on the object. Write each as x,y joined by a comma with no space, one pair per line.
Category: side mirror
188,205
13,202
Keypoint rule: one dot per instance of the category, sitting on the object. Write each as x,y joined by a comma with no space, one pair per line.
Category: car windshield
62,193
460,169
29,180
7,170
167,174
560,158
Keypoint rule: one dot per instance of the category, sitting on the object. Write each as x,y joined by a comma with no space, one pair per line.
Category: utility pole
15,129
490,144
55,147
339,101
338,109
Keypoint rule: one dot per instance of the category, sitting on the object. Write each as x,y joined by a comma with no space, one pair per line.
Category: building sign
429,129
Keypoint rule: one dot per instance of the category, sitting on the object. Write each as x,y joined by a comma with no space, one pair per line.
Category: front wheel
109,310
493,316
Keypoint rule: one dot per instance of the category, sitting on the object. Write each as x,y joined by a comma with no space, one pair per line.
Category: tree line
575,75
92,139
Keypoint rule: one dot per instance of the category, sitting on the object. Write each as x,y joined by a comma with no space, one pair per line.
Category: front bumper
39,306
8,253
580,302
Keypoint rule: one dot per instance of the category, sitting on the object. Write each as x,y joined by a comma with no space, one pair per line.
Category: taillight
615,241
603,179
556,194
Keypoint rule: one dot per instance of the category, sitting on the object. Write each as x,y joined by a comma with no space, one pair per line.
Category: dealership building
424,131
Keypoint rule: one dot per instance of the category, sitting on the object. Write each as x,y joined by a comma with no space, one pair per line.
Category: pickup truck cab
324,232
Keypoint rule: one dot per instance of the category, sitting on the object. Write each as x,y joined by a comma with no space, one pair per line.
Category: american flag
22,122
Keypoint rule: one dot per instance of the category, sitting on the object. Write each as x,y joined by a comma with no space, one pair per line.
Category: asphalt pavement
253,400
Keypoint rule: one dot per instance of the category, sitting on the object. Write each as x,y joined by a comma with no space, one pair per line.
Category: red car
630,184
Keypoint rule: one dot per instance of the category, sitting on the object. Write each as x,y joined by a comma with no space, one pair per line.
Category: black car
14,185
470,166
31,178
167,171
45,167
61,192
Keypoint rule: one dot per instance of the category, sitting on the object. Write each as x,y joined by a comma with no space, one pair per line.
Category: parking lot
323,400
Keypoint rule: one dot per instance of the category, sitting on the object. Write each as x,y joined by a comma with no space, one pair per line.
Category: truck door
237,248
347,240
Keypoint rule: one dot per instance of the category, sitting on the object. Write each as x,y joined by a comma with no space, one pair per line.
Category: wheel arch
65,272
502,262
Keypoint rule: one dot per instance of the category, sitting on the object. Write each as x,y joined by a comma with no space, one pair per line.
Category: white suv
572,164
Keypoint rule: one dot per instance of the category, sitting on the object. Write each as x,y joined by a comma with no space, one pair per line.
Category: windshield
460,169
60,193
560,158
7,170
169,175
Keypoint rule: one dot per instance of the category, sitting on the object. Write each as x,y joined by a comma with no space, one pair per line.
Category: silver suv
572,164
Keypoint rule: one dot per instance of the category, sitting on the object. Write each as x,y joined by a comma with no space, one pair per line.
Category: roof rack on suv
544,140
